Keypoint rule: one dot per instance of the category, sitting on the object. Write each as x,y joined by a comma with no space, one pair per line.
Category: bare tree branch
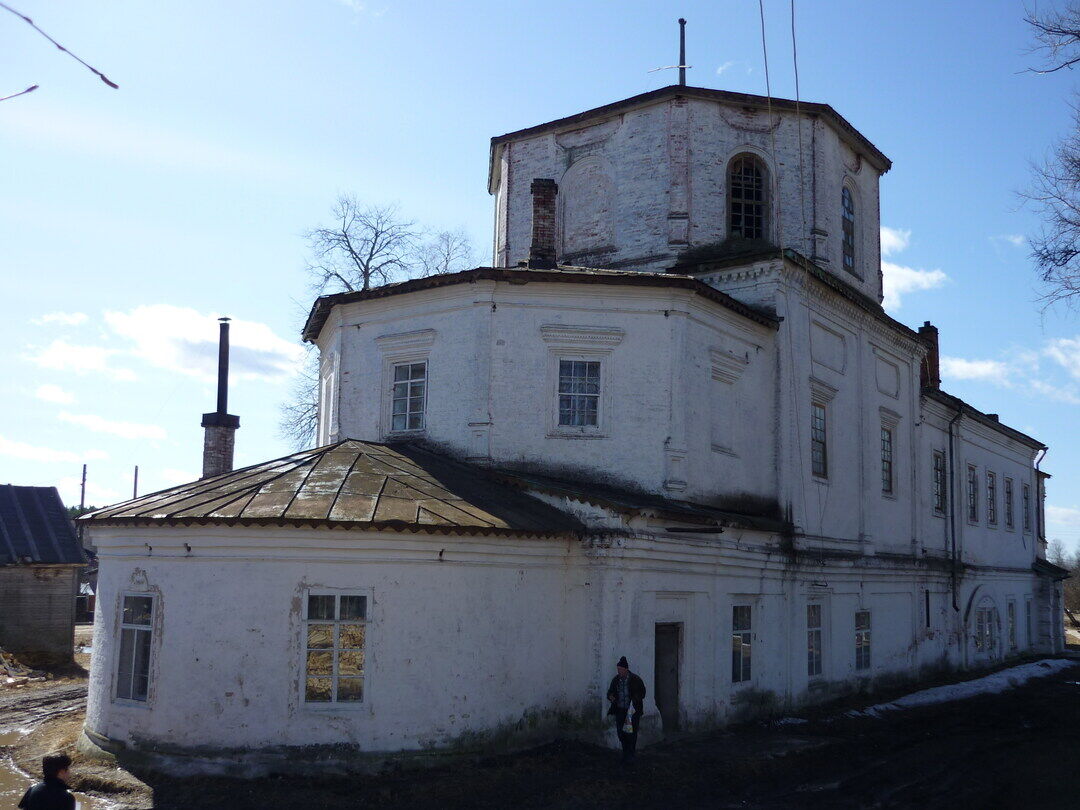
299,417
446,252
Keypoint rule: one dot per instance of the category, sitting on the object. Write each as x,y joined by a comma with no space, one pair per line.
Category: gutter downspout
952,513
1039,498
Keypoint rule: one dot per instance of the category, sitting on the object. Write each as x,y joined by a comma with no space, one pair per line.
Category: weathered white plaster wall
639,187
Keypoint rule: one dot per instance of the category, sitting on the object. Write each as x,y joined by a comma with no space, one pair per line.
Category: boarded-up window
136,632
335,630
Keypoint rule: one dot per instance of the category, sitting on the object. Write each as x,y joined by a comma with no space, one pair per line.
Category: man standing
627,691
52,793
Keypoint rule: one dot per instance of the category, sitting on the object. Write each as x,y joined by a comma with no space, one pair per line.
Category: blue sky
132,218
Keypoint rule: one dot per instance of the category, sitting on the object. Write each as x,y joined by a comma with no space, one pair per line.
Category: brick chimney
542,250
220,434
930,371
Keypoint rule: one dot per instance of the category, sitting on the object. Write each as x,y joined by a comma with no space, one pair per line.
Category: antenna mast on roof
682,66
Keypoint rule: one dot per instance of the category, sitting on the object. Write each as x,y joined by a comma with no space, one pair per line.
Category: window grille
335,633
1026,495
848,220
940,483
409,396
1010,614
862,639
741,637
136,633
748,198
886,461
1009,521
991,498
579,393
813,640
972,494
819,458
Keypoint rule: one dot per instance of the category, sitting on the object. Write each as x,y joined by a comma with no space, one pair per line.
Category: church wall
638,189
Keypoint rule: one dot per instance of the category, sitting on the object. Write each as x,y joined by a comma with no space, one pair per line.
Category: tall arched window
847,205
748,198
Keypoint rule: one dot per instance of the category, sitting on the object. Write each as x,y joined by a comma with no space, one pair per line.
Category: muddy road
32,705
1018,749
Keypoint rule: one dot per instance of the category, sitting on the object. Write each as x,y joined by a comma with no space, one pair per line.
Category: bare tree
1055,553
298,420
367,245
446,252
1055,187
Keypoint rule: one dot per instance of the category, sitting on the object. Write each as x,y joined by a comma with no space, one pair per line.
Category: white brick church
671,422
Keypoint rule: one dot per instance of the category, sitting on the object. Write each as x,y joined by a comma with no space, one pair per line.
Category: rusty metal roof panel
351,483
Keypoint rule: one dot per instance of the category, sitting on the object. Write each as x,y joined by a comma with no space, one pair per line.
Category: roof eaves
980,417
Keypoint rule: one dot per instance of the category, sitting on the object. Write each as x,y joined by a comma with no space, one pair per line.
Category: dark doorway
668,642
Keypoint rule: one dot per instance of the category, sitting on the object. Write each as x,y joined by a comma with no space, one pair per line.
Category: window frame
409,382
815,641
940,479
742,669
972,500
1010,623
406,348
848,230
1008,493
864,641
823,442
364,678
597,397
584,344
765,203
1026,500
148,629
991,499
888,471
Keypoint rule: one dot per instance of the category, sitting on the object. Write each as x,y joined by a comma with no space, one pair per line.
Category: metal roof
35,528
320,310
351,483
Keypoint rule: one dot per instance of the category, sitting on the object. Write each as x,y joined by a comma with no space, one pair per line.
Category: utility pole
682,52
135,486
82,495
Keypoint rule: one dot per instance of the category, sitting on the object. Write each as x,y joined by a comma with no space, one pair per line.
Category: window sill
819,480
889,496
937,514
324,708
571,434
131,704
725,451
405,434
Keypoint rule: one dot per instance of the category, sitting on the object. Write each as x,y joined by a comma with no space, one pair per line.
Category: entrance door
668,640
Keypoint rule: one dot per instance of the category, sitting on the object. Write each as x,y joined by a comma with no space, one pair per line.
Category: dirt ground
1014,750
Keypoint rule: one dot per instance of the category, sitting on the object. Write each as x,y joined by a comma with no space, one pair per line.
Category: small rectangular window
335,628
1009,504
741,636
926,612
886,461
1026,496
862,639
972,494
991,498
409,396
1027,623
1010,614
940,485
813,640
819,456
579,393
136,632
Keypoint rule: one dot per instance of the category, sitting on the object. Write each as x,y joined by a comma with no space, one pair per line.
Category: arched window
748,198
847,206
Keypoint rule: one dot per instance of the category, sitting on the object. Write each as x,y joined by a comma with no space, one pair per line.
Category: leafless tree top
1057,36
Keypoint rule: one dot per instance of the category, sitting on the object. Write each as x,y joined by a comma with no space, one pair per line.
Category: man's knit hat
622,663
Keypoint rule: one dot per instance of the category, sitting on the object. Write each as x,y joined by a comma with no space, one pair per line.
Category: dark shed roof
351,483
35,528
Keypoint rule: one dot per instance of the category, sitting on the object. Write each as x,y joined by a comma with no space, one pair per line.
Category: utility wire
29,89
91,68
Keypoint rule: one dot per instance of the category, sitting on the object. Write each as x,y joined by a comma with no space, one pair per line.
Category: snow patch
988,685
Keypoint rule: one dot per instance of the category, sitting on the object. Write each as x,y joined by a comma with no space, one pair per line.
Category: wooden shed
40,558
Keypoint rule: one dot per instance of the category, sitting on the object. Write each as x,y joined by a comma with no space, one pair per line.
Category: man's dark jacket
52,794
637,694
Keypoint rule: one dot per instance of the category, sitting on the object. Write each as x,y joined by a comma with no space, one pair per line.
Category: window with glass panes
813,640
1010,615
335,628
409,396
886,460
819,454
991,498
1026,496
847,208
862,639
741,636
972,494
940,487
579,393
136,633
1008,503
747,198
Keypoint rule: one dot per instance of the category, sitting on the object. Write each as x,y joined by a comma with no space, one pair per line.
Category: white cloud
894,240
62,318
958,368
898,280
726,66
28,452
1014,239
125,430
96,495
54,393
185,341
1062,516
1066,352
1069,395
63,356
